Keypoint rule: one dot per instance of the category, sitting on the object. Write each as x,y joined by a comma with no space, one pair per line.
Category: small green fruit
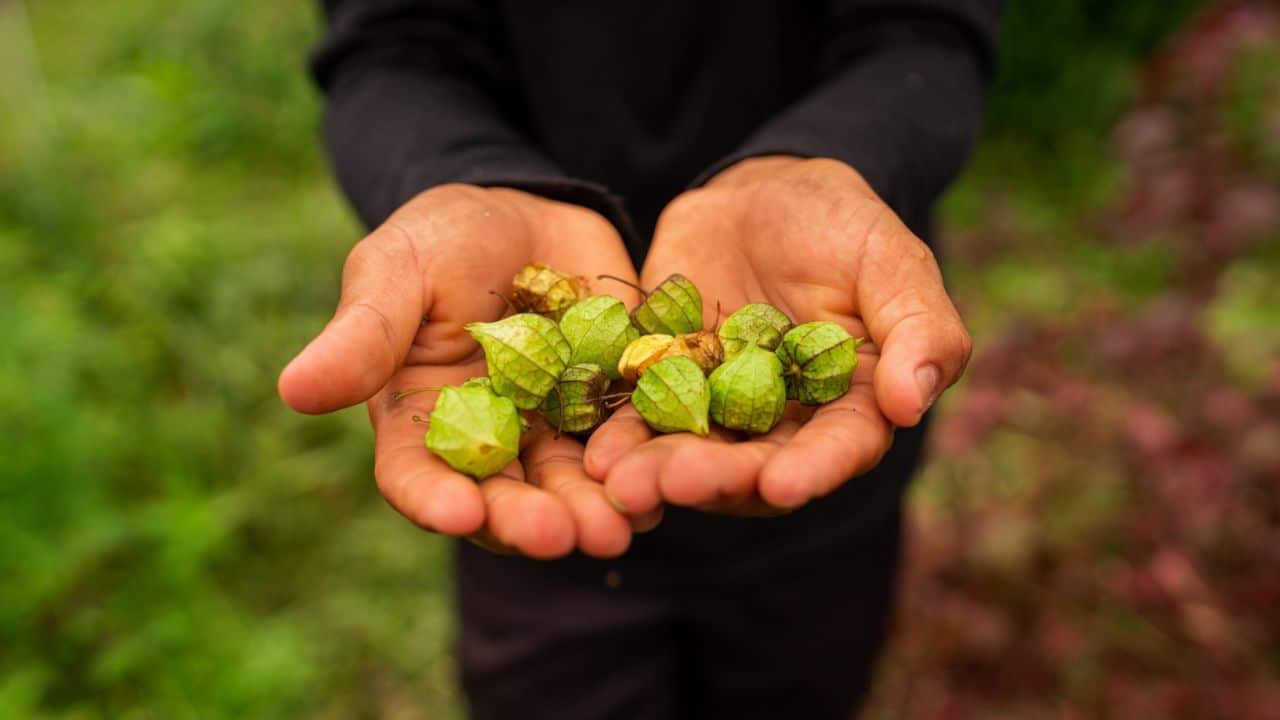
598,330
473,430
525,354
672,396
545,291
758,323
818,359
672,308
748,392
578,405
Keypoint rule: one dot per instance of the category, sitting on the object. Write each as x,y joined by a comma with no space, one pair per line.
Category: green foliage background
175,543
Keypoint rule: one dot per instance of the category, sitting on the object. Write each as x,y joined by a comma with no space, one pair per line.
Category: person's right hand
407,290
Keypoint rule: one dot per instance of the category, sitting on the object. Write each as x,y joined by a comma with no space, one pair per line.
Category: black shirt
620,106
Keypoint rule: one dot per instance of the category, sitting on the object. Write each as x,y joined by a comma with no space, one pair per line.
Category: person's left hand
813,239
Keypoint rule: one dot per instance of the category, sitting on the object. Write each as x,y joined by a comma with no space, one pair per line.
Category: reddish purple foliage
1101,533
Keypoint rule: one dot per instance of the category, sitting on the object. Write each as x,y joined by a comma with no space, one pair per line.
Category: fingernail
927,380
616,503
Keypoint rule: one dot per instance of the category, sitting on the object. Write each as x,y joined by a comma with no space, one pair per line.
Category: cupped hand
407,290
813,239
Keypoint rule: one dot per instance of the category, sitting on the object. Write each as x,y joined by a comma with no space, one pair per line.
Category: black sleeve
419,94
899,97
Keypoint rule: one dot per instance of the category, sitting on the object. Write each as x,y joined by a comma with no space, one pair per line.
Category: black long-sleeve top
621,105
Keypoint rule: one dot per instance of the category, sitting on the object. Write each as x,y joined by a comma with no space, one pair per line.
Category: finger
924,346
525,518
624,431
645,522
555,464
634,480
843,439
381,308
711,474
415,482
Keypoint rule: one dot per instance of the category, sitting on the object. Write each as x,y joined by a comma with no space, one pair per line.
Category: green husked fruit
758,323
525,354
672,396
598,330
672,308
546,291
748,392
818,359
480,381
474,430
578,405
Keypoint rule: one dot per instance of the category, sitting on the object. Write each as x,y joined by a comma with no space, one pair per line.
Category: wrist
811,175
753,169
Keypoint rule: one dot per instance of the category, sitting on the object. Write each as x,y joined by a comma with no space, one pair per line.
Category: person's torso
643,96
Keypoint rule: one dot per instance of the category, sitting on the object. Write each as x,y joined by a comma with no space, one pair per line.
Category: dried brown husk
546,291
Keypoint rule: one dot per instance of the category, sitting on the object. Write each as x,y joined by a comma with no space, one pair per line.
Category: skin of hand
407,290
810,237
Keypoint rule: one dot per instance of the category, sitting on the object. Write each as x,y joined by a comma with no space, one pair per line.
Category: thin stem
510,305
421,420
618,402
628,283
414,391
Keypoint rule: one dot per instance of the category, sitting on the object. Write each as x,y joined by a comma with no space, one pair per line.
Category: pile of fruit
573,357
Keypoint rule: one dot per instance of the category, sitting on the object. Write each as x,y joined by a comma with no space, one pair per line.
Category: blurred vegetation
177,544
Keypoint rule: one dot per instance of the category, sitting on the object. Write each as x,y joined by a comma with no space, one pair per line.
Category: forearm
901,105
418,95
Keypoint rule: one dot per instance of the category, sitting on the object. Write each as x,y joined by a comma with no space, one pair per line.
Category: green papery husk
474,430
598,329
672,396
818,360
748,392
672,308
525,355
757,323
577,404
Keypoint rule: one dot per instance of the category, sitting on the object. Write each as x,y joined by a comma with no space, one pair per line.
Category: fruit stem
628,283
619,399
414,391
421,420
510,305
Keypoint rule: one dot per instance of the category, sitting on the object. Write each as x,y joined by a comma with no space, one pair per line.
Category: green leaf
473,430
577,405
525,354
748,392
672,308
672,396
758,323
818,360
598,329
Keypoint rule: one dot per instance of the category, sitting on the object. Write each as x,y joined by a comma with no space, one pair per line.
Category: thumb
372,330
923,344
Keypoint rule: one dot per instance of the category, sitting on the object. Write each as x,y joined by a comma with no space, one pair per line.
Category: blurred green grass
176,543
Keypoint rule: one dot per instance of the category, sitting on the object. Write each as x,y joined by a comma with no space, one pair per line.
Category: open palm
810,237
408,290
